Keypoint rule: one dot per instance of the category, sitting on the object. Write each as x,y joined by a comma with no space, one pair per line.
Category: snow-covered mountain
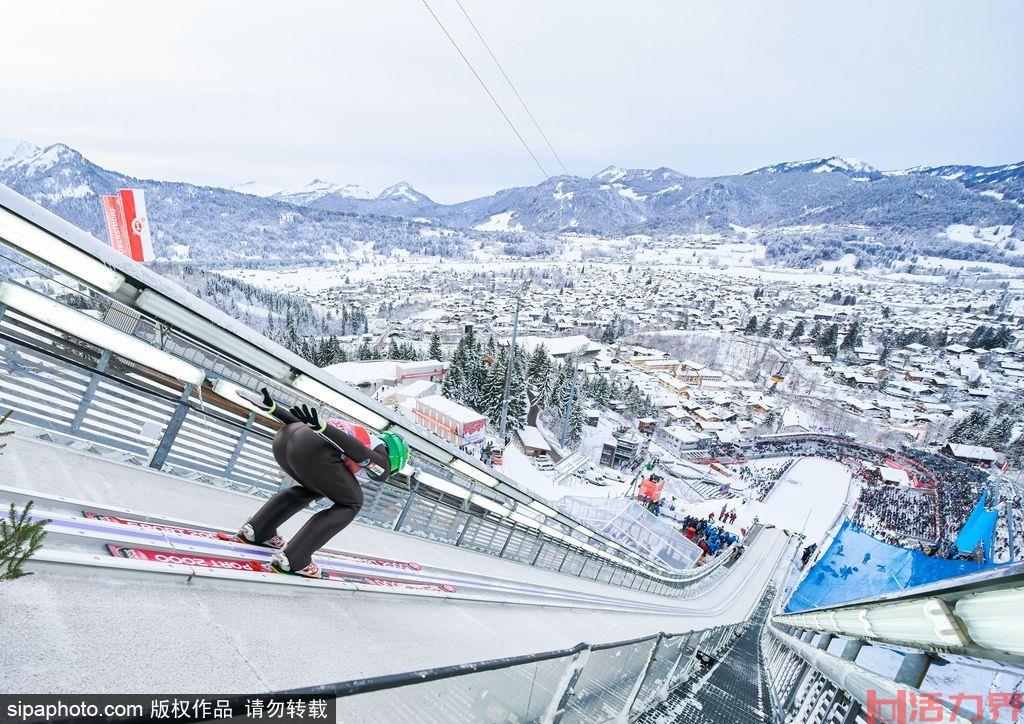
13,150
1001,182
305,194
400,200
318,189
256,225
204,223
845,165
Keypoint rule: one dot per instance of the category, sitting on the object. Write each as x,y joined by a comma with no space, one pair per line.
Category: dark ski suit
318,468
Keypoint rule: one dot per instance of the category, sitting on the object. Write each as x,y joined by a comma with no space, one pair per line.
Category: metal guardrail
822,687
587,683
980,615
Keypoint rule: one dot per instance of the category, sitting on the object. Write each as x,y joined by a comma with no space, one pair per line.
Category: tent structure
629,523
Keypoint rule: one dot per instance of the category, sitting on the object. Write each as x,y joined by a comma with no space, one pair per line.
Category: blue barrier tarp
857,566
979,528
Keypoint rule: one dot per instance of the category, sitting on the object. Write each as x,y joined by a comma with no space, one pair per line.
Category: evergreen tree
969,429
765,327
600,391
798,331
20,538
829,340
332,352
366,352
575,431
999,433
539,372
611,330
780,331
434,351
852,337
1015,451
454,380
518,406
978,337
560,385
6,433
476,378
939,339
393,351
751,327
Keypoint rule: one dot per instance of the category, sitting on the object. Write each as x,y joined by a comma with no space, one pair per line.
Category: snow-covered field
807,499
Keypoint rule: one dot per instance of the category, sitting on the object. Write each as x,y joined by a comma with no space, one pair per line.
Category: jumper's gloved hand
308,415
261,399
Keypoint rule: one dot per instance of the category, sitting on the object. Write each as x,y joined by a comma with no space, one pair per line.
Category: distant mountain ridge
250,222
852,167
210,224
1002,182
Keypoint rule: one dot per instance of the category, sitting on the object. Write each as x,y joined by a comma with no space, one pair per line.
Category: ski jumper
320,470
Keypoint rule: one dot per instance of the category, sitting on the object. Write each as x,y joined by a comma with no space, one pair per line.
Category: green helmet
398,451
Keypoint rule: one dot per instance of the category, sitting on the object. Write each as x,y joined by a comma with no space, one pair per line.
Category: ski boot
279,564
246,535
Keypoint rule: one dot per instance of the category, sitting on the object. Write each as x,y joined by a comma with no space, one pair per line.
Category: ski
234,564
230,537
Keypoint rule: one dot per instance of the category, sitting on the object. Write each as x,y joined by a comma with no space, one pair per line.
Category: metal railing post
852,649
623,716
913,669
90,390
540,549
163,448
405,508
798,681
564,557
850,653
566,687
666,686
249,422
511,532
464,508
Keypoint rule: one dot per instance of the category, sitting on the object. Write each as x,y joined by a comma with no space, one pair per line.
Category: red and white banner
133,203
128,224
117,230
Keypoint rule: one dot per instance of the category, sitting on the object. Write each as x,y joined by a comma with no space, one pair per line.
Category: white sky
372,92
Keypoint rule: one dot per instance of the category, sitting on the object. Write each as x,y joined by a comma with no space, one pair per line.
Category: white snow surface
807,499
499,222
